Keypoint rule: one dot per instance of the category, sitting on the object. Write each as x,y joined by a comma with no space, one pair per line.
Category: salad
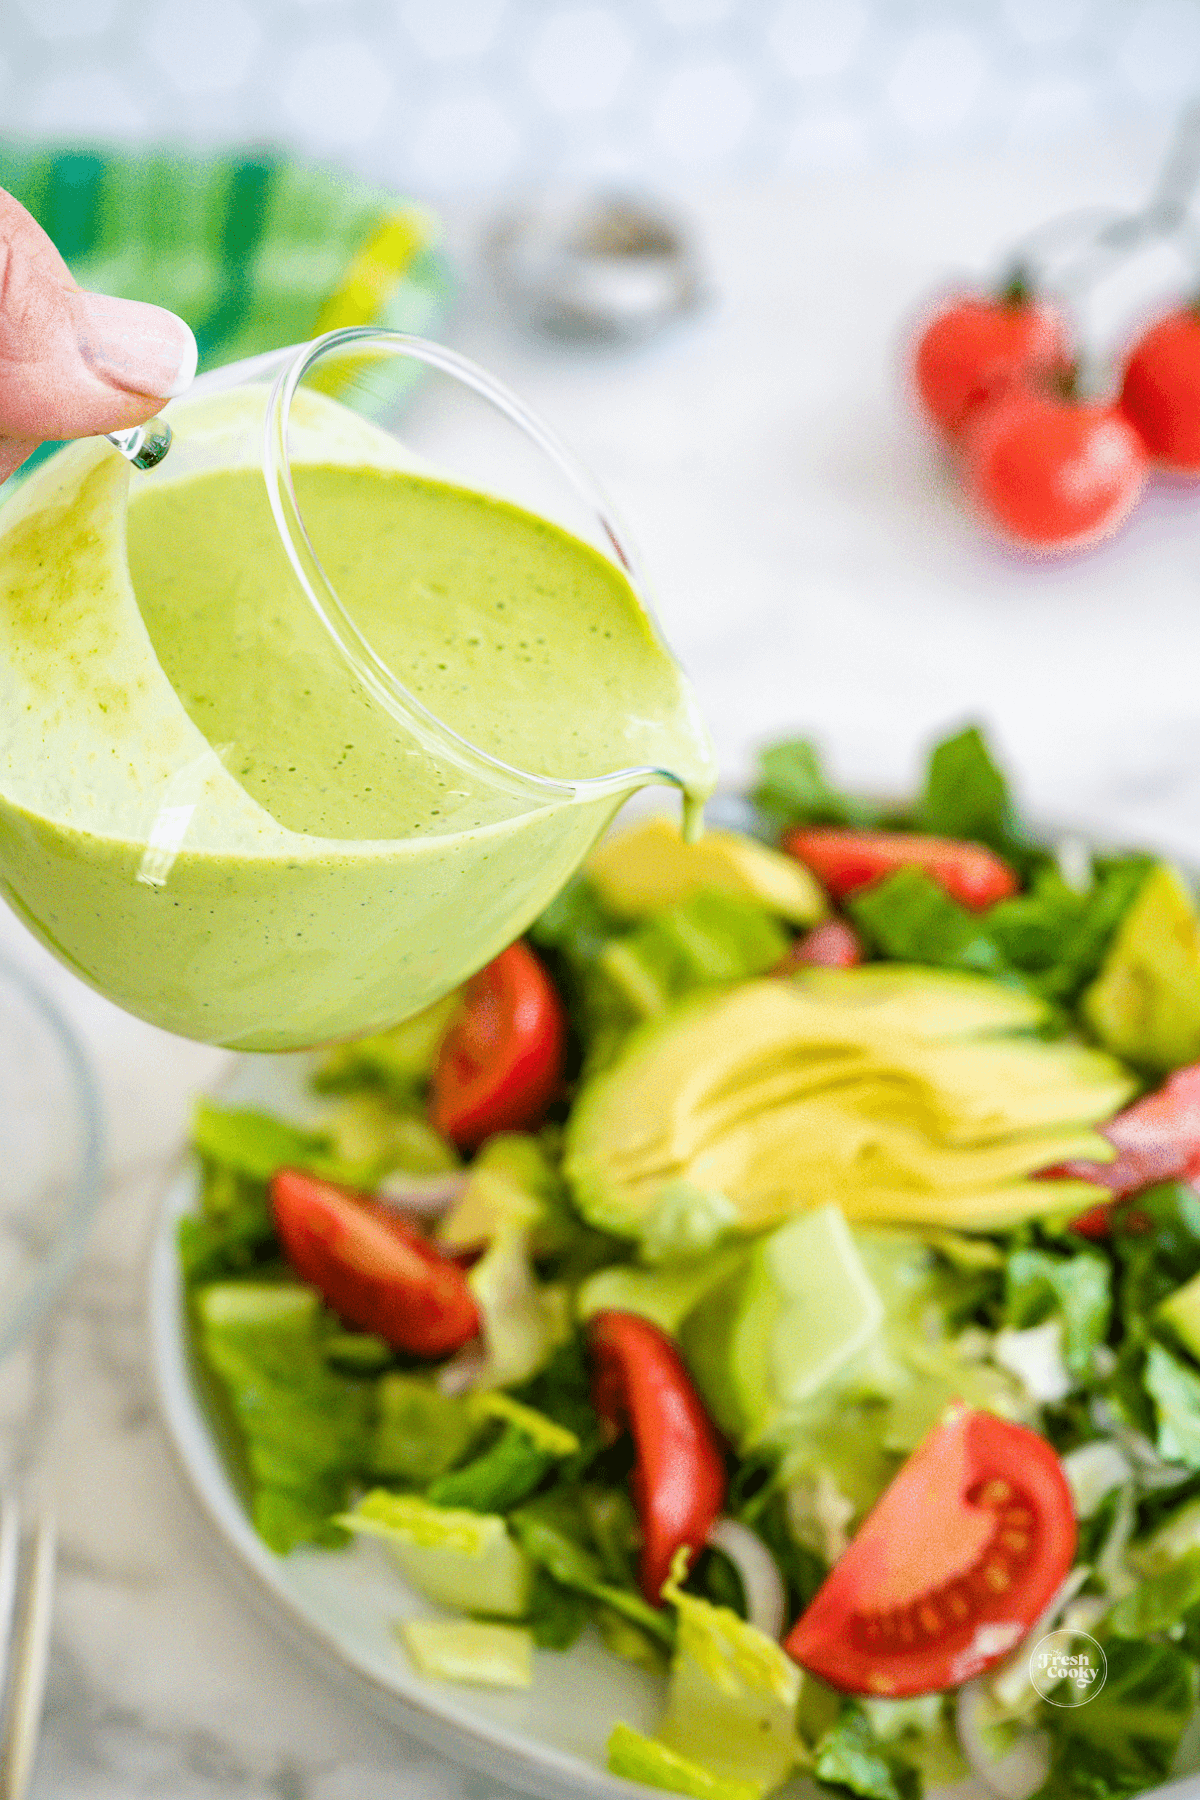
783,1262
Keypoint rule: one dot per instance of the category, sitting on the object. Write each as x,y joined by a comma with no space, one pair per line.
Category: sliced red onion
422,1196
762,1584
1024,1769
1014,1776
459,1375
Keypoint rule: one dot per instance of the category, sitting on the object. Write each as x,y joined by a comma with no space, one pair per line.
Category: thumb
72,363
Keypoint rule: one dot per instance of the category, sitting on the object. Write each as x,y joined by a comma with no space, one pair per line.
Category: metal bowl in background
50,1153
591,266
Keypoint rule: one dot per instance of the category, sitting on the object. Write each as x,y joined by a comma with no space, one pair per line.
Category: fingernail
143,349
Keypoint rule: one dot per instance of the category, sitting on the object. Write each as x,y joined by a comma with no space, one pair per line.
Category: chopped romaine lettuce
909,918
793,789
370,1133
640,1758
513,1184
1175,1390
710,938
524,1319
421,1432
255,1145
553,1531
966,796
513,1465
1077,1287
398,1062
850,1755
1159,1601
1125,1740
463,1559
307,1429
732,1696
466,1650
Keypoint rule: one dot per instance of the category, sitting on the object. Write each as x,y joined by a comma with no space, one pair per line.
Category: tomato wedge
844,861
953,1565
639,1381
1156,1139
374,1271
501,1061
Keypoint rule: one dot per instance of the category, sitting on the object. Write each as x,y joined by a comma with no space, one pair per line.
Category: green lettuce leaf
909,918
710,938
732,1695
306,1429
1056,937
233,1233
420,1432
1125,1740
966,796
557,1614
639,1758
506,1473
1159,1601
255,1145
1175,1390
553,1532
851,1757
398,1062
793,789
1078,1287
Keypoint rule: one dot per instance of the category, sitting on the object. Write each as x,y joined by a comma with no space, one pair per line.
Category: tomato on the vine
1161,390
1051,472
956,1561
975,349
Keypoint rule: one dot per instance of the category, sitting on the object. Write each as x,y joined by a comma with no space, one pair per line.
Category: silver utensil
583,266
143,445
26,1597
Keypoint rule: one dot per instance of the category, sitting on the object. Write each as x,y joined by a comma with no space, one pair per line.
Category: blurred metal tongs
26,1596
593,266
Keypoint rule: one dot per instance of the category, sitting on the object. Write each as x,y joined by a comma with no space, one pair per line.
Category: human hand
74,364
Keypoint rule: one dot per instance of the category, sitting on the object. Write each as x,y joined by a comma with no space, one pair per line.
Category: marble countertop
814,567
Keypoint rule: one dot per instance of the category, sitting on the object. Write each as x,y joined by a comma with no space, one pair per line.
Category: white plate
340,1605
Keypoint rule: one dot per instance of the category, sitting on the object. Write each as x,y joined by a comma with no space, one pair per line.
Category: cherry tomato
678,1486
950,1569
834,944
1156,1139
974,349
501,1061
1054,473
844,861
1161,391
374,1271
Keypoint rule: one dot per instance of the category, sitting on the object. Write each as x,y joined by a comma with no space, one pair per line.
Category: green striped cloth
254,251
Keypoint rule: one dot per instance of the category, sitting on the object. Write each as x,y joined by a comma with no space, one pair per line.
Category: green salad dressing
205,812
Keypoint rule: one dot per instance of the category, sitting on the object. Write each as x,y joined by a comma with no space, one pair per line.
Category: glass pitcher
303,726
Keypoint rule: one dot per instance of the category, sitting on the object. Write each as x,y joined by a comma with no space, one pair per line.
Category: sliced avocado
930,1004
779,1096
1181,1310
665,1296
1145,1002
774,1333
649,867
